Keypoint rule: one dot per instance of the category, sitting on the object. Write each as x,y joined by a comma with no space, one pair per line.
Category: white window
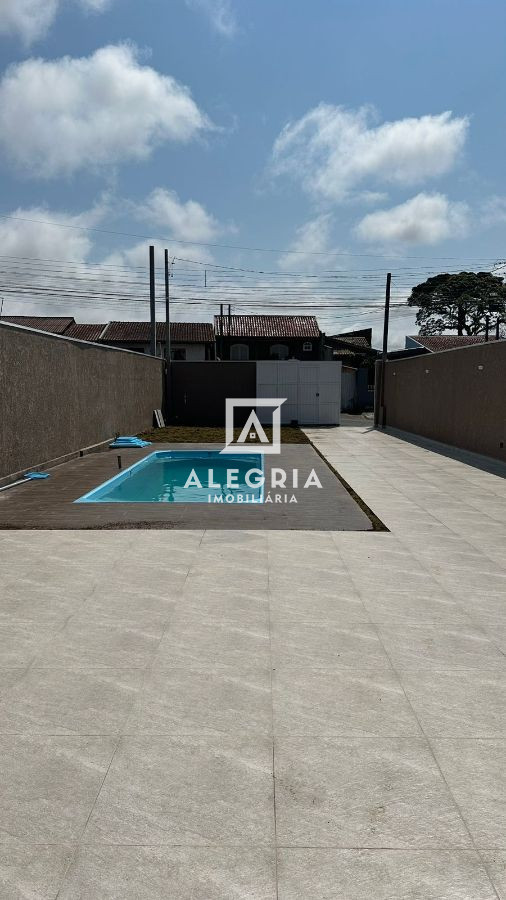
239,352
307,346
279,351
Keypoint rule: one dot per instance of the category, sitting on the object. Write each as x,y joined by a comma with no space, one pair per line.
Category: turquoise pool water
161,478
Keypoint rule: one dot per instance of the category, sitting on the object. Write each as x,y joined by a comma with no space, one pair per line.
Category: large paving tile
160,873
343,702
218,602
497,632
495,861
204,699
412,647
399,607
458,702
49,785
288,577
342,606
476,773
166,572
372,581
336,792
21,643
47,701
196,639
382,875
32,872
27,602
87,642
487,611
187,790
144,608
326,644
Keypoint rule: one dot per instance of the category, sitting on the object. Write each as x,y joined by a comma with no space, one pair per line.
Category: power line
164,238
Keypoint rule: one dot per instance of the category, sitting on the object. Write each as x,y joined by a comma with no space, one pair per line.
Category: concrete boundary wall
58,395
457,397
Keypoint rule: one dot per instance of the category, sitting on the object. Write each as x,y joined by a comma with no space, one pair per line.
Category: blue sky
318,127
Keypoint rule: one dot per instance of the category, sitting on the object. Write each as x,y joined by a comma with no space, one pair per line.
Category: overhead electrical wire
150,237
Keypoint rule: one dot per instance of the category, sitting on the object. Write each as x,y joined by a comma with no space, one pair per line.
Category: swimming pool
185,476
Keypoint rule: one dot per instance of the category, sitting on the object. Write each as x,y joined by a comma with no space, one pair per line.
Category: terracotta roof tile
358,341
435,342
85,331
53,324
267,326
180,332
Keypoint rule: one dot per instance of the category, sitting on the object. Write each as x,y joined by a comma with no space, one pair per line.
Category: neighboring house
53,324
189,340
353,349
192,341
432,343
268,337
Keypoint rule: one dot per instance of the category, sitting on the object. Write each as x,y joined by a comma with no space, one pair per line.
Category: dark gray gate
199,390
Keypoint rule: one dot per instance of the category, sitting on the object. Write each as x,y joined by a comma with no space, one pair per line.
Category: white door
309,393
312,390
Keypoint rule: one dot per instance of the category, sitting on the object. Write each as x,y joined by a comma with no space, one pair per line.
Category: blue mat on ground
129,441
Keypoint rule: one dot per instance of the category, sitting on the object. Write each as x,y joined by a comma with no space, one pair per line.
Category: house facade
242,338
191,341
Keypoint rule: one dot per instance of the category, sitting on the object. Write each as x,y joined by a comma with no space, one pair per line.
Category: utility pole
167,337
382,412
152,304
167,307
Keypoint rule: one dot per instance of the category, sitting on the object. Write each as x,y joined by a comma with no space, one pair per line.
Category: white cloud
61,116
424,219
31,19
33,233
494,211
188,221
220,14
312,238
331,150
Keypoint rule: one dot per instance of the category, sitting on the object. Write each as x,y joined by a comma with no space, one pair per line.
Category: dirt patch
206,434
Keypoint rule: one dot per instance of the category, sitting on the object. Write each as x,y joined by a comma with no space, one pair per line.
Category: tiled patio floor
213,715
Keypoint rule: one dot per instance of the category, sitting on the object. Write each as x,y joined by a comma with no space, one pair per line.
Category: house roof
53,324
85,331
435,342
360,342
139,332
267,326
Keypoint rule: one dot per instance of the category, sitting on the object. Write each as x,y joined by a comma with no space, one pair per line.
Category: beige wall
447,397
58,395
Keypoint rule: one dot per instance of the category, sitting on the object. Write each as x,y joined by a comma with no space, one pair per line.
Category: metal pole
167,307
152,304
167,338
384,354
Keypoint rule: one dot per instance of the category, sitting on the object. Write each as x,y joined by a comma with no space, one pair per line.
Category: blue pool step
129,441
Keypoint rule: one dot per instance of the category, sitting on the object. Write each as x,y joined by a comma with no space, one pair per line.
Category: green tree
460,302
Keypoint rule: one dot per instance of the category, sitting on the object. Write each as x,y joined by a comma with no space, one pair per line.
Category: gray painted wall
457,397
58,395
